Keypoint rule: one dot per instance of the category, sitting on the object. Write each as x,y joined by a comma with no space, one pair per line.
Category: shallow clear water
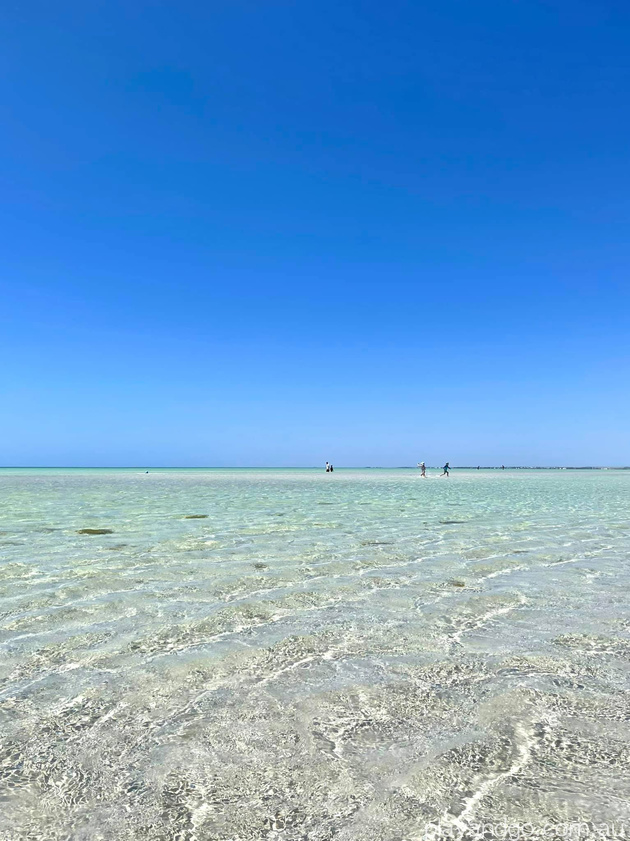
351,656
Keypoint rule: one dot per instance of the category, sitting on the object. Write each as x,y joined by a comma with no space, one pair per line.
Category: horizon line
303,467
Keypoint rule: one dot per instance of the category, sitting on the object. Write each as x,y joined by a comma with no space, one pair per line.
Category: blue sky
279,233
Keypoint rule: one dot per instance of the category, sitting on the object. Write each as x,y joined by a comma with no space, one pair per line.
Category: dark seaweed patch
377,543
95,531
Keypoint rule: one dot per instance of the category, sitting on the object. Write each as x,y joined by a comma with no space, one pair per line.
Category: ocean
235,655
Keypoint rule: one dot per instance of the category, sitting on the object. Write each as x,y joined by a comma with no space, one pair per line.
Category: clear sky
275,233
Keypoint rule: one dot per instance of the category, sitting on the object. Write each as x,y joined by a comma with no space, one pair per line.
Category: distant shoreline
144,468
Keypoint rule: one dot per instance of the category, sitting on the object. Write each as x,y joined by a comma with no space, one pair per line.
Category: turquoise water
294,655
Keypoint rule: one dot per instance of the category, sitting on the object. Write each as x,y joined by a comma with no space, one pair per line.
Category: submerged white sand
358,656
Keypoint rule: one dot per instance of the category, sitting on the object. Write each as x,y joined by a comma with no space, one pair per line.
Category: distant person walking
446,469
327,468
331,468
423,470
